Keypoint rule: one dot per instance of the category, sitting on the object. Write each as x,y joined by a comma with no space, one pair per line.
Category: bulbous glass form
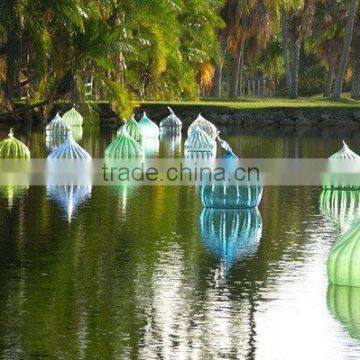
151,147
73,118
133,129
53,142
199,145
124,147
57,127
171,145
343,303
204,125
148,128
231,235
69,149
12,148
77,133
69,197
344,259
336,181
342,207
171,124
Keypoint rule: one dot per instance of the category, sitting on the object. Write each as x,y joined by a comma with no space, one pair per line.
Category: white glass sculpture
171,124
57,127
205,125
199,145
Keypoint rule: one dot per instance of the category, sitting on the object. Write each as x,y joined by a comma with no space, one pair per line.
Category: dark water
147,273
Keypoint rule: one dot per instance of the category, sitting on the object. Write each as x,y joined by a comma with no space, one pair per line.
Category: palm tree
345,49
355,60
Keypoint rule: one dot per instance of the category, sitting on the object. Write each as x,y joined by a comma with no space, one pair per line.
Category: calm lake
146,273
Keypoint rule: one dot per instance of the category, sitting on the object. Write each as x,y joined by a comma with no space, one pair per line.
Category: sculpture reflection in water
342,207
171,145
343,303
231,235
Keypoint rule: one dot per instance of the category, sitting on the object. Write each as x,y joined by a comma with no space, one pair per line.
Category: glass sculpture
171,124
12,192
205,125
344,259
12,148
69,197
133,129
77,133
337,181
53,142
343,303
230,196
199,145
342,207
151,147
148,128
124,147
231,235
69,149
57,127
73,118
171,145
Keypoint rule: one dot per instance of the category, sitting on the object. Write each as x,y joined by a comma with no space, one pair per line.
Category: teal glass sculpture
57,127
204,125
148,128
69,197
151,147
124,147
171,145
69,149
224,196
199,145
231,235
171,124
341,207
12,148
343,303
344,259
336,181
133,129
73,118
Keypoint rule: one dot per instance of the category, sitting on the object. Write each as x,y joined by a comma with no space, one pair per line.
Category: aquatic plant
12,148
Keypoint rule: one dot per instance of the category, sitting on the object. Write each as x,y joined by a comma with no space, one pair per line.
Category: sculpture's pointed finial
170,109
11,133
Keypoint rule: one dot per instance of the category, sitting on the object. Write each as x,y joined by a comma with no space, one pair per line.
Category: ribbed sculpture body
199,145
342,207
343,303
73,118
337,181
205,125
69,149
12,148
231,235
171,145
148,128
133,129
171,124
124,147
230,196
344,259
57,127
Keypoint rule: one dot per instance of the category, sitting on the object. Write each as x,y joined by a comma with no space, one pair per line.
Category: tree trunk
241,75
217,80
235,72
345,50
329,81
355,87
286,52
293,93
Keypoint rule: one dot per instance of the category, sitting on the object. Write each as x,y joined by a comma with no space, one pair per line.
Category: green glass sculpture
12,192
205,125
342,207
133,129
124,147
148,128
73,118
12,148
336,181
343,303
344,259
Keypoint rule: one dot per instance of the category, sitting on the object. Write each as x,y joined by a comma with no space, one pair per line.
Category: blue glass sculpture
231,235
148,128
171,145
69,197
53,142
336,181
57,127
69,149
171,124
342,207
199,145
124,147
204,125
230,196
